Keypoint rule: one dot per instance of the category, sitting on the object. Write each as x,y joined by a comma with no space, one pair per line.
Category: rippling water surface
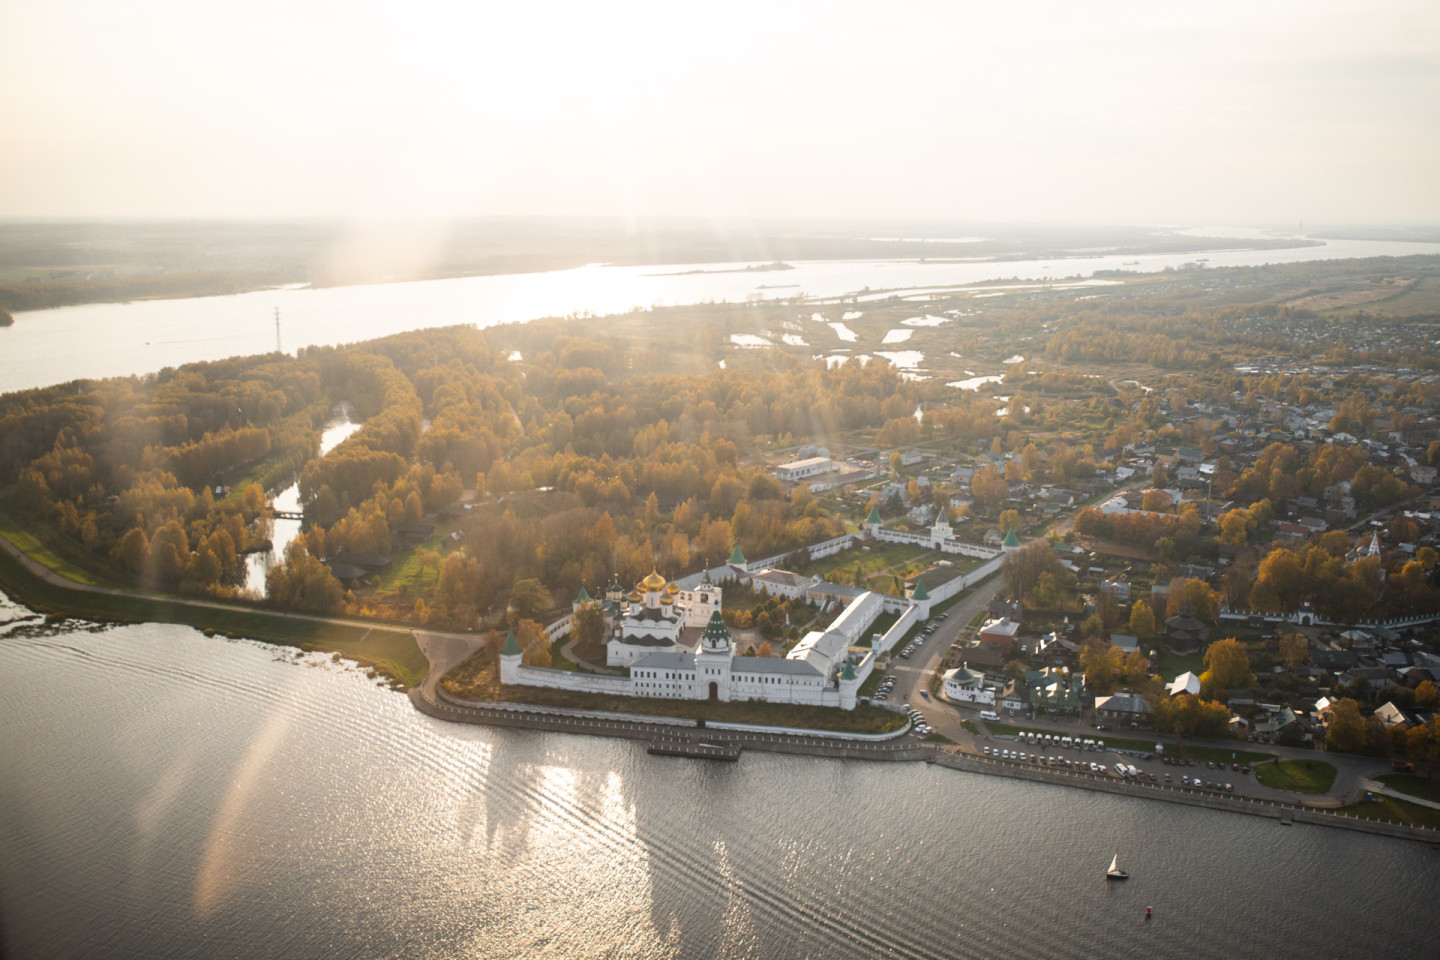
167,795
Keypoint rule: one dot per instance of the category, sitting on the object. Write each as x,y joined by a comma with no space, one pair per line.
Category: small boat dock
698,749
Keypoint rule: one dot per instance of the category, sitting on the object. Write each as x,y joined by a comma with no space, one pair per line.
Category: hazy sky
1150,112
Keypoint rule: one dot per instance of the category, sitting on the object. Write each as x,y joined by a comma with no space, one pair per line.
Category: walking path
1375,786
568,651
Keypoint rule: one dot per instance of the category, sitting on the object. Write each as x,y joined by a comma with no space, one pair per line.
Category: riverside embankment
671,730
1285,813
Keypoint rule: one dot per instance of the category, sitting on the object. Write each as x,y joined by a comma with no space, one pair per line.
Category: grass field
404,578
47,547
1171,665
840,568
390,651
1388,808
1413,785
1420,300
1297,776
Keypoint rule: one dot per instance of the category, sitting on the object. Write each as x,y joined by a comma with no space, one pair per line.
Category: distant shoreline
753,268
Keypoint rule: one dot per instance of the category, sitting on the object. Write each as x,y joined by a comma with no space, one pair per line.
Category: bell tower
712,660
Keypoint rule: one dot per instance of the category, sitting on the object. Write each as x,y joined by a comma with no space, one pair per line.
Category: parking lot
1087,752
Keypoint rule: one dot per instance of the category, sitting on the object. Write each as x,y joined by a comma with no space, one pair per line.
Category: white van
989,715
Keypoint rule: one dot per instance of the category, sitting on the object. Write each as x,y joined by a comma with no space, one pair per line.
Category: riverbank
814,743
388,650
1286,813
818,744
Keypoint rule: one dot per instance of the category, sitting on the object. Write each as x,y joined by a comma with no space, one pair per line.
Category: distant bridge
289,515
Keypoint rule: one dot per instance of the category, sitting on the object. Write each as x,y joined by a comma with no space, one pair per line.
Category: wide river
114,339
167,795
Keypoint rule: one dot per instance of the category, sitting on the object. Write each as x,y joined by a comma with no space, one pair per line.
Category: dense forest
163,477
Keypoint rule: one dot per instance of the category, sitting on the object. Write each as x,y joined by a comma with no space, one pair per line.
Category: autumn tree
460,589
1425,695
1233,527
1009,520
988,487
1345,730
529,600
1025,566
1186,714
534,644
302,582
589,624
426,558
1142,620
1227,665
1157,501
1103,664
1196,595
133,552
1294,649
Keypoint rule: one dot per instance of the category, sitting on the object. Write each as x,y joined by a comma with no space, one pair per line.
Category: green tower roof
1011,540
583,596
511,648
715,632
736,557
874,514
920,592
847,672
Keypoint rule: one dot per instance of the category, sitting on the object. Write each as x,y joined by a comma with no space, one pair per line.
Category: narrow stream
257,565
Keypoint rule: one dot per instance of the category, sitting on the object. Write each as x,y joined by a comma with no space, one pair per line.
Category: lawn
840,568
1388,808
44,544
1413,785
405,578
1297,776
1171,665
392,653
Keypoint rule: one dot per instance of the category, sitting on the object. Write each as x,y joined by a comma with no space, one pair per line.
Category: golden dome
653,582
667,601
672,589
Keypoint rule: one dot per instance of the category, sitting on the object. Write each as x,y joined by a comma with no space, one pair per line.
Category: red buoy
1147,913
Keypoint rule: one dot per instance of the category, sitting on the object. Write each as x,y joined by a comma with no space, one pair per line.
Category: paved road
912,675
1350,771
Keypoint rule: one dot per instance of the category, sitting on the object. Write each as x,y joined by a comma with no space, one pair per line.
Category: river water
167,795
115,339
257,565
